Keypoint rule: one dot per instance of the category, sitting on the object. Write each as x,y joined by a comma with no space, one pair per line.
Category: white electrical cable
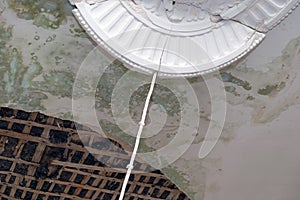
138,137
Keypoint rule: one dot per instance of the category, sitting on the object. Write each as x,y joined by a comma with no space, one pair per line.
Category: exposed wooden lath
43,157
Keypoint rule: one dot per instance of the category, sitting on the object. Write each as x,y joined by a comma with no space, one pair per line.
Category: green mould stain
44,13
232,90
271,89
228,77
58,83
77,31
17,87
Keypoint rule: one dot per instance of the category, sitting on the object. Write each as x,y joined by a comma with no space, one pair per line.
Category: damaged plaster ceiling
180,37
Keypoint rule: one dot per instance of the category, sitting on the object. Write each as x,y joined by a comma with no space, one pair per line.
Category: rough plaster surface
257,155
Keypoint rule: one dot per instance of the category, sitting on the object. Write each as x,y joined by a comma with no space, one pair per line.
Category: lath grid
42,157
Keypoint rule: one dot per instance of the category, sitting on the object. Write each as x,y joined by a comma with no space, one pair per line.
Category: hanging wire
142,124
138,137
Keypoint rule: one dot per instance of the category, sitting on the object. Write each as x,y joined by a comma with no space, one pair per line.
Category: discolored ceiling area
42,47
